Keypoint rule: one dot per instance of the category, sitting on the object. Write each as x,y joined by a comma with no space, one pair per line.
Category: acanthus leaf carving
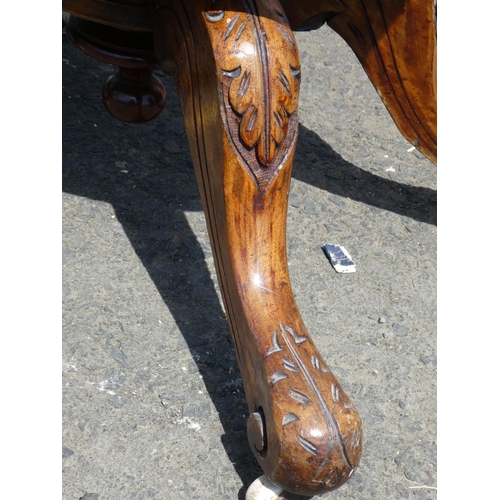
260,86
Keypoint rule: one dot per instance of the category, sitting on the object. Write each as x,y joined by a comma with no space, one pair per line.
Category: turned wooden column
238,78
133,94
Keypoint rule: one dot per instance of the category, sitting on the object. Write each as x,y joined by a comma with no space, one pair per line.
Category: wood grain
237,71
396,42
238,67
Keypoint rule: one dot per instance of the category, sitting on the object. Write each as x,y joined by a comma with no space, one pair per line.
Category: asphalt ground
153,403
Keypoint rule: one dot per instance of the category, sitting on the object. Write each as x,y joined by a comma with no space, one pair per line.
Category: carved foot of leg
238,80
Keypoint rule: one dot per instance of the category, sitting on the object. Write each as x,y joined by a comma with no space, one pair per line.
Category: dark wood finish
237,72
395,41
129,49
132,15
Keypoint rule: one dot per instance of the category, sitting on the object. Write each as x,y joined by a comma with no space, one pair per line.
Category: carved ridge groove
369,26
289,337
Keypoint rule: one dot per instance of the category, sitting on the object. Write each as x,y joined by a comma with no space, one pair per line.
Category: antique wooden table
237,71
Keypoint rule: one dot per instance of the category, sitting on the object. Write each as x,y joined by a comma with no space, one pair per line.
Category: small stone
428,360
66,452
117,355
402,492
418,154
143,376
116,401
113,379
375,210
197,409
366,152
171,146
294,200
382,319
415,476
400,330
170,398
310,207
192,368
417,426
67,255
378,415
404,457
339,201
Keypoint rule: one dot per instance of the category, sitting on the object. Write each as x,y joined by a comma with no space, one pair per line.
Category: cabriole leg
238,76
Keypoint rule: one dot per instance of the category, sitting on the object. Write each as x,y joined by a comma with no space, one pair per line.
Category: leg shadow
317,164
150,202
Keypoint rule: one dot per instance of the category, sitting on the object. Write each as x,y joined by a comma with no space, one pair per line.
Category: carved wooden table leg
238,80
396,42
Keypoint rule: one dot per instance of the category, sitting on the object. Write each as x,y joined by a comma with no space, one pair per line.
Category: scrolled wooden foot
238,80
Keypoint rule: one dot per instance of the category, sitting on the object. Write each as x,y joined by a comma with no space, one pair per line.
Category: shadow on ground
145,173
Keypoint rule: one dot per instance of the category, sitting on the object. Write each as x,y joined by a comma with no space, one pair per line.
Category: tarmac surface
153,403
